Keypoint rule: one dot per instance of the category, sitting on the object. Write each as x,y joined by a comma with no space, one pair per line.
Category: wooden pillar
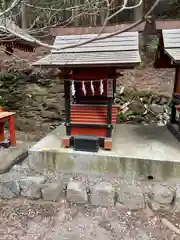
173,114
177,82
110,95
12,131
2,137
114,87
109,117
176,92
67,104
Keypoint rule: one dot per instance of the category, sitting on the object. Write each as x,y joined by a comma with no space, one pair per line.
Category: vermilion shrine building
168,56
11,42
90,72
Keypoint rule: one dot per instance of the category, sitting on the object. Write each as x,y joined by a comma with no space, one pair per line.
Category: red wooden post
12,131
2,138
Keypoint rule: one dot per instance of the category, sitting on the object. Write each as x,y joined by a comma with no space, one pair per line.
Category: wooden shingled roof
168,51
171,40
120,50
23,40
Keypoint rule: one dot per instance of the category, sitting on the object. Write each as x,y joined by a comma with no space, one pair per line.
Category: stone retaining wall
130,195
37,100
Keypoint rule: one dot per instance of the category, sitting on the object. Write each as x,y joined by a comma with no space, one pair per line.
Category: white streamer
101,87
73,91
84,88
92,88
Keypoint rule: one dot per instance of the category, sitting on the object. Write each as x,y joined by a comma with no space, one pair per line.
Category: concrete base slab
10,156
139,152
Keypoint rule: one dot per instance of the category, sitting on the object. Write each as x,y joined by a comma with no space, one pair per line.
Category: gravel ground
22,219
27,220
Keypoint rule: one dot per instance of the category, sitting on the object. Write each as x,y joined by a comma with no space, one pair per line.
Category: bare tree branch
13,5
99,36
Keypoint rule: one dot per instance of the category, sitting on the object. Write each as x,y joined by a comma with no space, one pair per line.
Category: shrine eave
174,54
171,39
168,52
21,39
113,59
121,50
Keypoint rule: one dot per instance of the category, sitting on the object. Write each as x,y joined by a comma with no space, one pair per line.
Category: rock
142,235
137,106
51,115
9,189
156,108
76,192
31,187
56,88
9,157
57,107
36,90
102,194
177,201
162,193
155,206
131,196
52,191
163,101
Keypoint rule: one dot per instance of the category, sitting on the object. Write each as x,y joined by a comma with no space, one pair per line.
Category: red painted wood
92,107
177,84
92,120
88,76
2,137
12,131
87,113
93,73
89,131
91,114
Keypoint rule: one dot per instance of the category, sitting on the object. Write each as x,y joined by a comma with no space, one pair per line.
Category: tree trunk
24,24
138,12
148,30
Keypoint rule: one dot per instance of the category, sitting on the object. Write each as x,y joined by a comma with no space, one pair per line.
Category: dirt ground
149,79
26,220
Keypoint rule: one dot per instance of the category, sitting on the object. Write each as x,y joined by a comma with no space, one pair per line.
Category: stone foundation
138,152
94,192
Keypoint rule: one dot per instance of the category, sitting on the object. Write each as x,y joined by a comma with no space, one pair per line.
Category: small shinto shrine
168,56
10,43
90,72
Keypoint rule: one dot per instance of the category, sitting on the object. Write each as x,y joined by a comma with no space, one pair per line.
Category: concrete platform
138,152
12,155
